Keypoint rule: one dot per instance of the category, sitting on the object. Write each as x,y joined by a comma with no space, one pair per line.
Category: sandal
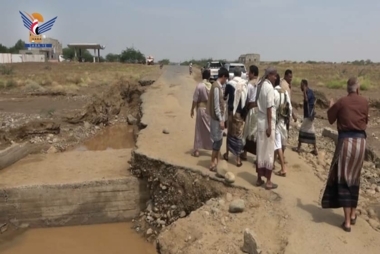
195,154
347,229
259,183
315,152
295,149
212,168
353,221
280,173
239,164
225,156
274,186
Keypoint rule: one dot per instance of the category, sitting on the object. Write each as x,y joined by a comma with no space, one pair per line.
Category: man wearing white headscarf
236,92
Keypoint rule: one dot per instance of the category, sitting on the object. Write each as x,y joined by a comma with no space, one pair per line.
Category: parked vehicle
214,69
231,68
150,60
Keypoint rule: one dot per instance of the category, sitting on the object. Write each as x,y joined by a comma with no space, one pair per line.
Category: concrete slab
68,167
77,187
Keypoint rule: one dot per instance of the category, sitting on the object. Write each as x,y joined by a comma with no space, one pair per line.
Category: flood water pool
113,137
116,238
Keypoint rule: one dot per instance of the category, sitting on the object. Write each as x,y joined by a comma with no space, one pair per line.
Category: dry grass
67,77
329,75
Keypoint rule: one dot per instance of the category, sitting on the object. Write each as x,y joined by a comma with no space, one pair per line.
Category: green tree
112,57
164,61
131,55
3,49
20,45
69,53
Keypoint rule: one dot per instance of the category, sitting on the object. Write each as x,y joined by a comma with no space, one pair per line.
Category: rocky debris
237,206
375,224
229,197
182,214
330,133
33,128
371,213
229,177
174,192
104,107
11,120
149,232
131,120
51,150
250,245
66,129
165,131
221,232
3,227
222,169
146,81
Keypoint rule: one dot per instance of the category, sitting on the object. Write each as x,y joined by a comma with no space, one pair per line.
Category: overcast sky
300,30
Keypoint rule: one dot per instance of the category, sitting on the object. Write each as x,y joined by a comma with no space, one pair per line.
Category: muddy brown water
94,239
114,137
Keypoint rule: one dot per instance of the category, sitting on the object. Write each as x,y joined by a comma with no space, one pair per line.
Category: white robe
264,144
281,126
250,127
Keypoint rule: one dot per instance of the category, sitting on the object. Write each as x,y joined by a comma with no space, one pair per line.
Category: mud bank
189,213
174,191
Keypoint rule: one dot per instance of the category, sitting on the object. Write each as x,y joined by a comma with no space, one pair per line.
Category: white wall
21,58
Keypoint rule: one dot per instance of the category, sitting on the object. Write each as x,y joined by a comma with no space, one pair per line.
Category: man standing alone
343,183
216,109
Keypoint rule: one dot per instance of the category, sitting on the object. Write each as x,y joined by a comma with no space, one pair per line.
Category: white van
231,67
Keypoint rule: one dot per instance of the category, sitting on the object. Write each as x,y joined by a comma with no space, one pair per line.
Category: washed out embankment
79,186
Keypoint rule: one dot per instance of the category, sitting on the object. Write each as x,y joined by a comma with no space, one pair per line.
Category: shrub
11,84
336,84
365,84
32,86
6,69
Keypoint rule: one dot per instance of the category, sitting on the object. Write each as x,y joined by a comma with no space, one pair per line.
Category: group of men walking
257,115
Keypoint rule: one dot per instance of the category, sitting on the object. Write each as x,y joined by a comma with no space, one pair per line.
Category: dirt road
312,229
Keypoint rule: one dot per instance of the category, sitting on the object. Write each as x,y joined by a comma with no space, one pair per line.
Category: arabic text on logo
36,26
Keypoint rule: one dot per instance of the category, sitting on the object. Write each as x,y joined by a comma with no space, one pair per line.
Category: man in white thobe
283,107
266,123
250,127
